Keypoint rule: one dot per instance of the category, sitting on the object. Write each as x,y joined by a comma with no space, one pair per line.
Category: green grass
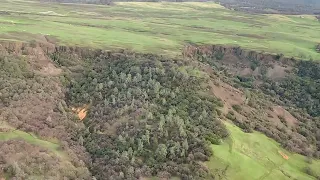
32,139
159,27
255,156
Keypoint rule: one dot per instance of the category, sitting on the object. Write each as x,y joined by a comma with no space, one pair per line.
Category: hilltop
162,28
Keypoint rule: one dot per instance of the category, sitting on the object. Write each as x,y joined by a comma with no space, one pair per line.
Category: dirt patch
246,72
277,72
40,62
228,94
279,111
231,96
50,69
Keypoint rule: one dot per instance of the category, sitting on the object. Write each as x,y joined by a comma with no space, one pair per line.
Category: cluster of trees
33,103
302,89
147,117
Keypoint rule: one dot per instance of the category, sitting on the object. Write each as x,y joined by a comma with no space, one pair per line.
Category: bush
230,115
237,107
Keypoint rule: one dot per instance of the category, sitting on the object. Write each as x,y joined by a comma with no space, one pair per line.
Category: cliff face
21,48
235,52
242,62
232,54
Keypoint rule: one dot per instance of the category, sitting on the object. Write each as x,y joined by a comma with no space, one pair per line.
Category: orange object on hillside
82,112
283,155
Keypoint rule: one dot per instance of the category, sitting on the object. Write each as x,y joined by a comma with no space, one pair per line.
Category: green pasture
158,27
255,156
30,138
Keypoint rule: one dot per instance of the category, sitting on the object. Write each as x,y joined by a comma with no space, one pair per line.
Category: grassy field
255,156
158,27
32,139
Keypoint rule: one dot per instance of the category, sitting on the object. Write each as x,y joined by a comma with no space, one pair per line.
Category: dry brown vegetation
32,100
20,160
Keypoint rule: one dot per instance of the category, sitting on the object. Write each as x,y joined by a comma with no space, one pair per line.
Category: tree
81,140
185,145
161,151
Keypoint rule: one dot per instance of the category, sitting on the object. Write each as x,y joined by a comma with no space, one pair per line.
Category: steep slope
268,81
125,115
35,131
255,156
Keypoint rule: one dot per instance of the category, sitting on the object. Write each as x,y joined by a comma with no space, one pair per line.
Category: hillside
157,91
258,157
149,115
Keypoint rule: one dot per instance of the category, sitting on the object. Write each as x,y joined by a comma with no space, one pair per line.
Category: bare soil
280,111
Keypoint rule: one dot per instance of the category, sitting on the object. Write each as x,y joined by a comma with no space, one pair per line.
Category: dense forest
157,114
149,116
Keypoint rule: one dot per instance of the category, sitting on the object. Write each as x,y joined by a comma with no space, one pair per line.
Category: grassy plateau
158,27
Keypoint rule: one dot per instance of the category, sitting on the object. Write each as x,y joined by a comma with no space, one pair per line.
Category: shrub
237,107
